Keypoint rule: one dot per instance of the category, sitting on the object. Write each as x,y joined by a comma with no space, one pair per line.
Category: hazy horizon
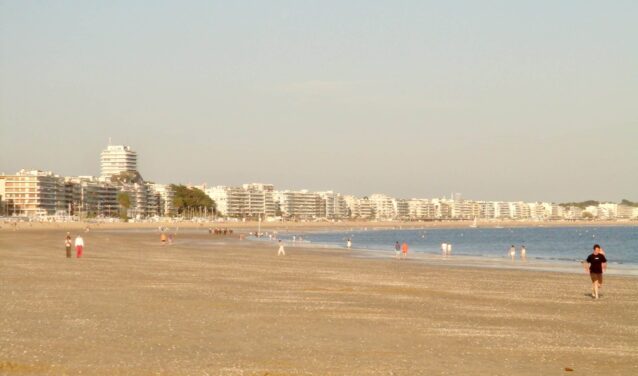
507,101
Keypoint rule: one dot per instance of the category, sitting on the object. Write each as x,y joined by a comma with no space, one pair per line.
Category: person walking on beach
68,243
404,249
512,252
443,249
163,238
596,264
349,243
523,253
79,246
397,249
449,249
281,251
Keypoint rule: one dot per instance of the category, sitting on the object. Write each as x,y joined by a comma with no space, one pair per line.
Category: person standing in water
443,249
281,251
512,252
349,243
523,253
397,249
448,250
404,249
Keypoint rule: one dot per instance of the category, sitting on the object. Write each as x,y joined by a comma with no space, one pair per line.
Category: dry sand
211,305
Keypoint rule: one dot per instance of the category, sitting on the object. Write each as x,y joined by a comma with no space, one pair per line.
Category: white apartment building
443,208
558,212
502,210
32,193
486,209
607,210
574,212
248,201
116,159
261,199
166,194
593,210
299,204
462,209
385,207
419,209
624,211
519,210
360,208
540,211
91,197
333,205
139,196
403,209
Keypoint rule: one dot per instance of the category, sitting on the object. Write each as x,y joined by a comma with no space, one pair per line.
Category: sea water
541,243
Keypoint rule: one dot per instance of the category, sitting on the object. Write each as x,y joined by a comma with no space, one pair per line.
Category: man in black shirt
597,264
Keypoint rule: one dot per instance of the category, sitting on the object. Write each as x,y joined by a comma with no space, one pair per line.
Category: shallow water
551,244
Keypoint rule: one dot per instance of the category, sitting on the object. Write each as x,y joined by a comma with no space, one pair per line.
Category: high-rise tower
116,159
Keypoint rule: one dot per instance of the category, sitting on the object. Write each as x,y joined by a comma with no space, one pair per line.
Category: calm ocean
557,244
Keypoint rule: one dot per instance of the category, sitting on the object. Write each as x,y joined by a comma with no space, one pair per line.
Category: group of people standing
220,231
512,253
401,250
79,245
446,249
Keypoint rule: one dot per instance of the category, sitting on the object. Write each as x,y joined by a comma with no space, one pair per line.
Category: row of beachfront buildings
262,200
36,193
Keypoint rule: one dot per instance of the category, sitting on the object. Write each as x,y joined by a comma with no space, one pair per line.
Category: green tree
124,200
191,200
581,205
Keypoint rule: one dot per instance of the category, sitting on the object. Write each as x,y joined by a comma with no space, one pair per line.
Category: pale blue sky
495,99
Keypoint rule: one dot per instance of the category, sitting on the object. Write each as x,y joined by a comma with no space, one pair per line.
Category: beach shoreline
303,227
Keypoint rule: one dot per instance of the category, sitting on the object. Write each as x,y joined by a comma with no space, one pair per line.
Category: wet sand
221,306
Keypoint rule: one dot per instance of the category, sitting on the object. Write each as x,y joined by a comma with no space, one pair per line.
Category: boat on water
474,224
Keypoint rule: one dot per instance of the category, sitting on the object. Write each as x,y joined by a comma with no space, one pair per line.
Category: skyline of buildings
35,193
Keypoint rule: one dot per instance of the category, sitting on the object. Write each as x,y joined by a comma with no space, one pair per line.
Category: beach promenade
214,305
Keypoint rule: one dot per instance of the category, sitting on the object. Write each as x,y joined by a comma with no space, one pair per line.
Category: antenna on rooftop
109,141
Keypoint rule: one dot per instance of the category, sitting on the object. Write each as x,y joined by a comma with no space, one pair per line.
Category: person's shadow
589,295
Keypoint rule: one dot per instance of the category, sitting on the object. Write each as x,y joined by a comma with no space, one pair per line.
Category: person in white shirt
79,246
281,251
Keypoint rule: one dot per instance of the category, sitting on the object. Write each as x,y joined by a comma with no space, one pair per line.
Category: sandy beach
214,305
